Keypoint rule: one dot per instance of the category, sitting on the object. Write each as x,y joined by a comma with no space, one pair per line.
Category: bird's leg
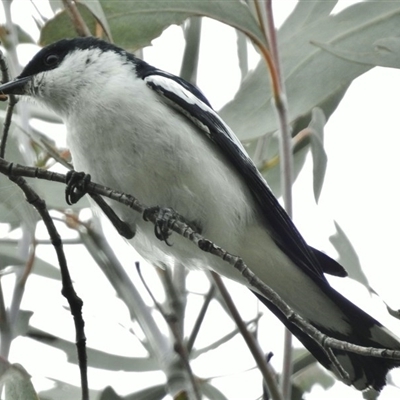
77,183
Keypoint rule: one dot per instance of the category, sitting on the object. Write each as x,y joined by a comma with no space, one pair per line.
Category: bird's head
61,72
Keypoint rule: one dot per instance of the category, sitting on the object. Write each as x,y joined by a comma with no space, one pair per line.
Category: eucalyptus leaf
211,391
157,392
136,23
66,391
14,208
348,256
384,52
96,358
17,382
61,26
306,12
9,256
319,156
22,36
313,375
311,74
97,11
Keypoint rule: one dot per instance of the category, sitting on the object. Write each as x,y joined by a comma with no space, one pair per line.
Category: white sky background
360,190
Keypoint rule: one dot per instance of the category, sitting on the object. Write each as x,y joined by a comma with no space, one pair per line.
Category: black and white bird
143,131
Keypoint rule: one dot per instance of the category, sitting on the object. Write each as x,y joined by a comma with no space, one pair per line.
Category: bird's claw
77,183
162,216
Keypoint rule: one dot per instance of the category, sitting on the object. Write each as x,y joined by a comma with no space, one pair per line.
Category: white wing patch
170,85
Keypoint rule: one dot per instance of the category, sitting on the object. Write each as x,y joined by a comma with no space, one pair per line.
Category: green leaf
319,156
136,23
348,256
22,323
306,12
61,26
311,376
22,36
311,75
14,208
96,358
17,382
157,392
211,391
9,256
66,391
384,52
97,11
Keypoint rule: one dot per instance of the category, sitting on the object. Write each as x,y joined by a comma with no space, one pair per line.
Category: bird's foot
162,217
77,183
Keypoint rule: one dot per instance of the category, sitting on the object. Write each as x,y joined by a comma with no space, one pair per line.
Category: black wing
188,100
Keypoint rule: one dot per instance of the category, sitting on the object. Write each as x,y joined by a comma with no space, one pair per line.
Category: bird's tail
364,371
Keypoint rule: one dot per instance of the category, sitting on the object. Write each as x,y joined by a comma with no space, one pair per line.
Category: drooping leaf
97,11
14,208
311,74
17,382
211,391
96,358
61,26
66,391
9,257
348,256
384,52
157,392
319,156
136,23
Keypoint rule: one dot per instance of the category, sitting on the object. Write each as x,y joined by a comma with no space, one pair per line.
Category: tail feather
364,371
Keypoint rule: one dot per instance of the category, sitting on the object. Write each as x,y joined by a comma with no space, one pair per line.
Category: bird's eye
51,60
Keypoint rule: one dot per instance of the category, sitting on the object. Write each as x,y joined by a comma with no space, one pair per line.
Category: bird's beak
17,86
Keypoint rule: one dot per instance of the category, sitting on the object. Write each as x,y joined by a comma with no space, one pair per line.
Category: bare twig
264,367
76,18
200,318
67,287
286,156
180,348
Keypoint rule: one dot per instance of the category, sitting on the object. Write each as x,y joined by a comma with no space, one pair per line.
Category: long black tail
364,371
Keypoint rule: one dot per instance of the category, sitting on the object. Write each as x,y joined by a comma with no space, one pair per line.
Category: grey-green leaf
311,74
348,256
384,52
136,23
319,156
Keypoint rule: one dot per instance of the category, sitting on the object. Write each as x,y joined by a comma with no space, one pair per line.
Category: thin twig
264,367
286,170
179,346
200,318
68,291
76,18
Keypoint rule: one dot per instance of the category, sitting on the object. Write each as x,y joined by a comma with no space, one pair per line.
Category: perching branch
178,226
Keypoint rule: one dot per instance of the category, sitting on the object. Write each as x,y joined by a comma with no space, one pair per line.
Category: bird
140,130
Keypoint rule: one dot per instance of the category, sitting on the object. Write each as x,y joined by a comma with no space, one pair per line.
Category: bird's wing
188,100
